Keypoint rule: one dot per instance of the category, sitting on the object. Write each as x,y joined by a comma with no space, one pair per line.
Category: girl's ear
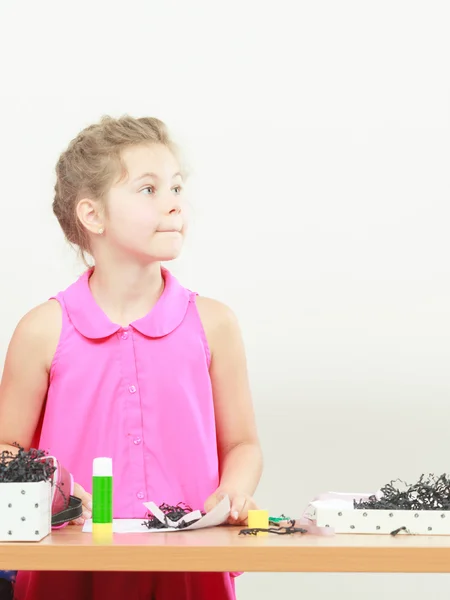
89,215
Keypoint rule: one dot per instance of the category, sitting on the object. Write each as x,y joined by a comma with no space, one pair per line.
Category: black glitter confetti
172,513
397,531
288,530
429,493
25,466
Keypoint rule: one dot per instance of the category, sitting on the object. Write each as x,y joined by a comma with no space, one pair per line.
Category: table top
223,549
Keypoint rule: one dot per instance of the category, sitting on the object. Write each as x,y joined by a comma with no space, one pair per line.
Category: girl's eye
150,188
177,189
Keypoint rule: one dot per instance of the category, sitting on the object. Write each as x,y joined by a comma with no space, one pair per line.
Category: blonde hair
91,163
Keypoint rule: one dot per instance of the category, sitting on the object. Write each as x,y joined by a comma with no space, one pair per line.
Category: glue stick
102,495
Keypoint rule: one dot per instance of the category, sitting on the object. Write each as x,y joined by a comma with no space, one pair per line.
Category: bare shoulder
40,330
214,314
220,324
37,322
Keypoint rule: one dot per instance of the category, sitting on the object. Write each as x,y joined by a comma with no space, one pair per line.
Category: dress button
140,495
124,335
132,389
137,441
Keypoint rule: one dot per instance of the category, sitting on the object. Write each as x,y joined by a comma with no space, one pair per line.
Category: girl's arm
238,444
25,375
25,379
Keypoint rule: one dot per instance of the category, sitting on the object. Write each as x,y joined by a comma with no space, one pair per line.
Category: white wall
319,136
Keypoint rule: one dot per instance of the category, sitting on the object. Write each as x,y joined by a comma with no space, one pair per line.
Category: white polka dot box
336,511
25,511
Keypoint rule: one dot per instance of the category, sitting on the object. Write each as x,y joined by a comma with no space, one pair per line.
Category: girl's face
145,215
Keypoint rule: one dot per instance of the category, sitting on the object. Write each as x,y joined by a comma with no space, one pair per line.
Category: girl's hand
86,499
240,505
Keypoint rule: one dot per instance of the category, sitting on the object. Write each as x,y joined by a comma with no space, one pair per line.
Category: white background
318,135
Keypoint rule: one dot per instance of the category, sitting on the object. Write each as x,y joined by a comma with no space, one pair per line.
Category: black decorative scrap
397,531
172,513
429,493
287,530
25,466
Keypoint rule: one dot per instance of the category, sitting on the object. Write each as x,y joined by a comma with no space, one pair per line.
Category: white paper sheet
217,516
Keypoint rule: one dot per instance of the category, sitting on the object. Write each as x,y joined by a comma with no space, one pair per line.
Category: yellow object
102,533
258,519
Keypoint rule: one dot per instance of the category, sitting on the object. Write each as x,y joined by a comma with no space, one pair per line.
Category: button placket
124,333
136,472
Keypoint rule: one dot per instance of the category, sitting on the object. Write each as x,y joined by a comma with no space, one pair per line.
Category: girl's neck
126,293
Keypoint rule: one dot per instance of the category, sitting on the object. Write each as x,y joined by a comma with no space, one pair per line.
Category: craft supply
172,515
25,466
288,530
422,508
26,479
276,520
102,496
397,531
181,516
102,533
194,520
429,493
258,519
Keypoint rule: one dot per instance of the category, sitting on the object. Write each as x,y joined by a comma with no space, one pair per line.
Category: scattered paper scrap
217,516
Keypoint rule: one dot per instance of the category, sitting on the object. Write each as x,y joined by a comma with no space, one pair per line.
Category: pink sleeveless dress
141,395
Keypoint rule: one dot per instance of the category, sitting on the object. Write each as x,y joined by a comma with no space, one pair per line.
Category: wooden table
222,549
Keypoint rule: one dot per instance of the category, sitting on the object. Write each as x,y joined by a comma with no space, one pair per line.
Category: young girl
128,363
